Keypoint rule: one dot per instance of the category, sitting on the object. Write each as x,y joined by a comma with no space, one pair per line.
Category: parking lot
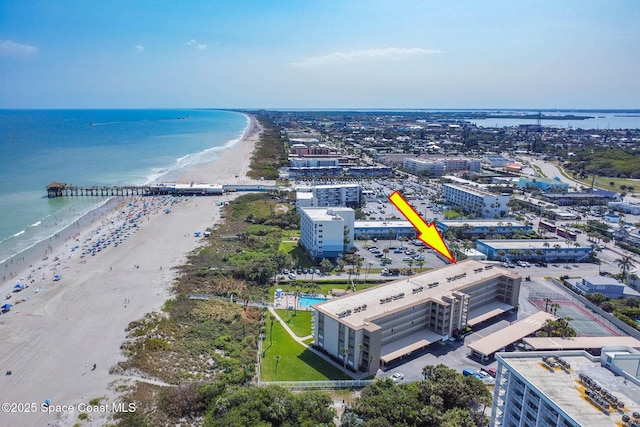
402,255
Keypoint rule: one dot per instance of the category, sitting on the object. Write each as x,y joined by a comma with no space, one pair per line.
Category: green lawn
296,252
260,229
604,182
298,321
296,362
288,234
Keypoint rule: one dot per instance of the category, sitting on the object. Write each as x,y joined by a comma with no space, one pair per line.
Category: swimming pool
309,301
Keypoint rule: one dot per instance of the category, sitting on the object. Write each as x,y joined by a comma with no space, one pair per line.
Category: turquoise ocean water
95,147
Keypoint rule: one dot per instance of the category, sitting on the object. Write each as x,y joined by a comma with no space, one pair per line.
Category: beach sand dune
51,341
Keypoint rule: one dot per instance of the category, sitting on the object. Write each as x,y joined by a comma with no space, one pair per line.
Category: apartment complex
379,325
474,200
348,195
567,389
313,162
326,232
423,166
437,167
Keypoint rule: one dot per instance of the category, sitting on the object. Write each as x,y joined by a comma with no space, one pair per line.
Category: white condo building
348,195
567,389
419,166
438,167
474,200
311,162
326,232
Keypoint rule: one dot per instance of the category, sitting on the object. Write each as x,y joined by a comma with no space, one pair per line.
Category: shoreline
52,339
12,267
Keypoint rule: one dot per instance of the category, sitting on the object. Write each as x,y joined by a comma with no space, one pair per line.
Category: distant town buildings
587,198
440,166
546,250
312,162
607,286
625,207
496,160
383,229
476,201
469,227
543,184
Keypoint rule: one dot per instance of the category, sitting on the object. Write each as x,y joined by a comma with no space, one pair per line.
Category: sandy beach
52,339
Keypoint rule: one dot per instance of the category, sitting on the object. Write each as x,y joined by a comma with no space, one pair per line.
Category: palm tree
345,355
625,264
547,301
277,358
325,265
360,350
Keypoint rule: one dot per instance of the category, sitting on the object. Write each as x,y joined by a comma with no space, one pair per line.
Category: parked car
398,376
468,372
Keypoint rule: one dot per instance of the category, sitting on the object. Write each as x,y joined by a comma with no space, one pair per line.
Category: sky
308,54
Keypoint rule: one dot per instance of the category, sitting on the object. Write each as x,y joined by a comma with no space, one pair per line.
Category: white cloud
9,47
366,55
139,48
193,43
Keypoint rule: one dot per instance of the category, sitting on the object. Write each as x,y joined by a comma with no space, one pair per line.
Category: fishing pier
59,189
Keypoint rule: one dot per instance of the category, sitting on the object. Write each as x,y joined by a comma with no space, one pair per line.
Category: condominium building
474,200
437,167
456,165
332,195
567,389
421,166
379,325
312,162
326,232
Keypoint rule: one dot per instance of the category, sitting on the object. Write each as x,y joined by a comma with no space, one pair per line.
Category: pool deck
288,300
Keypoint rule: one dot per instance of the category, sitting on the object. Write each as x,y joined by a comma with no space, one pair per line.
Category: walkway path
358,375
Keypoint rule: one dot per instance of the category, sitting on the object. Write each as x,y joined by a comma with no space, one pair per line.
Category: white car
398,376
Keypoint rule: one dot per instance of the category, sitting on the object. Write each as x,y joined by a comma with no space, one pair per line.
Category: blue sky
319,54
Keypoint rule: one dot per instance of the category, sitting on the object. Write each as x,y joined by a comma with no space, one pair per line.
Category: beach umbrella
57,277
6,307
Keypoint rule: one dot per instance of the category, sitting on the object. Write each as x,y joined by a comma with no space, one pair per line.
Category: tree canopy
444,398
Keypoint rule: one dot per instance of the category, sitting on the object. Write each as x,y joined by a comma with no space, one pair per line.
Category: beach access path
51,341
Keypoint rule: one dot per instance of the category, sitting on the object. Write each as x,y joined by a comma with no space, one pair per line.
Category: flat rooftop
564,388
529,244
378,224
580,343
480,223
324,213
512,333
326,186
406,292
470,189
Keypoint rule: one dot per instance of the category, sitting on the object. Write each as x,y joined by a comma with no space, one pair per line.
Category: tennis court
585,323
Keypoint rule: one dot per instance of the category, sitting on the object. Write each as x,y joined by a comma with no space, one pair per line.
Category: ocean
95,147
